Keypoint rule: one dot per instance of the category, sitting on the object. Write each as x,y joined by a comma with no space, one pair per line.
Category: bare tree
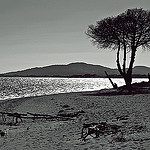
127,32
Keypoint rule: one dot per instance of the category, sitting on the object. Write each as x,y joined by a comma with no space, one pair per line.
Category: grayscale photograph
74,74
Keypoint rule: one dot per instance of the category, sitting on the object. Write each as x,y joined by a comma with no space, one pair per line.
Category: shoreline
59,134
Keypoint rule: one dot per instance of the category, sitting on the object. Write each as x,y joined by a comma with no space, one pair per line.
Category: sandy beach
40,134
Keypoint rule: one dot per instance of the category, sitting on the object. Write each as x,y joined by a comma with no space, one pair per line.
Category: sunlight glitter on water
17,87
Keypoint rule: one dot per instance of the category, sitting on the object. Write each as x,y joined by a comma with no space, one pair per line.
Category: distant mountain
141,70
75,70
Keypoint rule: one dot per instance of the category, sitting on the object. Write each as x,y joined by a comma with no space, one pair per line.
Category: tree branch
129,72
118,60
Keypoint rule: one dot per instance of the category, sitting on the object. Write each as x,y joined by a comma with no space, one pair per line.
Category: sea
19,87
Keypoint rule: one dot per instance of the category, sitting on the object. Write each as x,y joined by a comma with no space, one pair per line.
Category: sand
66,135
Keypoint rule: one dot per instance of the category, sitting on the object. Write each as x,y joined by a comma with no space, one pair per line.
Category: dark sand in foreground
61,135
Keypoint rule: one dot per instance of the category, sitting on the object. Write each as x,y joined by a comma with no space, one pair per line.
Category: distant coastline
76,70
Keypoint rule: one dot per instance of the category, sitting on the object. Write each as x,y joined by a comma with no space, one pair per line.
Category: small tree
127,32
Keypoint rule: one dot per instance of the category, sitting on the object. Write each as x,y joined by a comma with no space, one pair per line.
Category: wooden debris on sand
18,117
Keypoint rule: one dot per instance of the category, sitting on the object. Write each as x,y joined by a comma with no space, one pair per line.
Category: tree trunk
149,77
128,81
128,76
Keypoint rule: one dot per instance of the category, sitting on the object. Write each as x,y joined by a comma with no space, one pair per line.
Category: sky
37,33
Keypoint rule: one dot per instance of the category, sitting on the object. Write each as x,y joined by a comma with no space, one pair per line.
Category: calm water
25,87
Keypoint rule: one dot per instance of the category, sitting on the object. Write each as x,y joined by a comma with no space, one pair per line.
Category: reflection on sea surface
16,87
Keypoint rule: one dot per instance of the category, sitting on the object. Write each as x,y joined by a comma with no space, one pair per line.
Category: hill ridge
77,69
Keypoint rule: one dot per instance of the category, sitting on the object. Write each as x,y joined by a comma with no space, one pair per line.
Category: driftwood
38,116
113,84
97,129
70,114
3,116
46,116
19,116
16,116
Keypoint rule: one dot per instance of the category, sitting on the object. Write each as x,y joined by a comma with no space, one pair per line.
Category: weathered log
7,113
46,117
113,84
3,117
34,114
15,116
40,116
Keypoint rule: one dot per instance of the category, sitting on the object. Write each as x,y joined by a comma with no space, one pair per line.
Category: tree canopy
131,28
126,32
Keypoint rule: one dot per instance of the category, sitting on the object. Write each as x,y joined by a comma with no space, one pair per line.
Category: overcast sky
36,33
